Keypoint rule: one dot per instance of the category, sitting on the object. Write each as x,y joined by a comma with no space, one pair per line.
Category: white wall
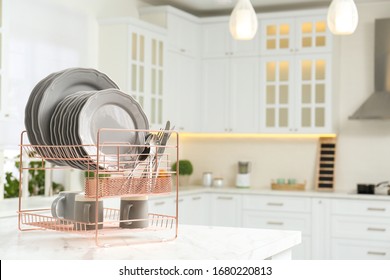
364,146
44,36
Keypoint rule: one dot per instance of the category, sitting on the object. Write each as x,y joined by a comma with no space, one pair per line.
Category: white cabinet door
146,72
183,35
350,249
296,94
194,209
313,93
229,91
277,36
132,52
225,210
277,94
243,107
295,35
215,40
216,95
184,91
218,42
162,206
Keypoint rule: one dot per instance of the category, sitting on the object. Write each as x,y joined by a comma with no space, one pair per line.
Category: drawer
372,228
272,220
344,249
361,207
276,203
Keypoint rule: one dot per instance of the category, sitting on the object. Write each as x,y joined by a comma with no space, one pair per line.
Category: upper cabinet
295,94
300,34
183,73
218,42
295,75
183,29
132,53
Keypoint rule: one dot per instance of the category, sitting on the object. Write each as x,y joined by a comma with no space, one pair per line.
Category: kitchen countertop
263,191
193,242
8,207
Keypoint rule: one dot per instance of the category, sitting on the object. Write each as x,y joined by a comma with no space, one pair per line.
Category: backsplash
271,158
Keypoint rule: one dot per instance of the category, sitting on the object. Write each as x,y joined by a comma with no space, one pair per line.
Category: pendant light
342,17
243,21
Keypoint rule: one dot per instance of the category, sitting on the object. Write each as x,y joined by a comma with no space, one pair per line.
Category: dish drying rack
114,175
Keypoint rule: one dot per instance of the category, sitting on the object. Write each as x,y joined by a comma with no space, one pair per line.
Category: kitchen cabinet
296,94
182,64
360,229
225,210
183,29
183,92
194,209
295,86
229,94
283,35
283,213
162,205
218,42
132,53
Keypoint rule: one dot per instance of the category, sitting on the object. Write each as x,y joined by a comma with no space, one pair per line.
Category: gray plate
113,109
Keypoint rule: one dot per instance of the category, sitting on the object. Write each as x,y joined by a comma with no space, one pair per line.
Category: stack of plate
66,110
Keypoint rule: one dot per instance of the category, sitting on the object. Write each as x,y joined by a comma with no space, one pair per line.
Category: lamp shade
342,17
243,21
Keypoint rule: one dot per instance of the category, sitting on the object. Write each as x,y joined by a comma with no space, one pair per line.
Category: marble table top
192,243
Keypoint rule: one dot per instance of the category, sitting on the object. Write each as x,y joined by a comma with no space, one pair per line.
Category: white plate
70,81
115,110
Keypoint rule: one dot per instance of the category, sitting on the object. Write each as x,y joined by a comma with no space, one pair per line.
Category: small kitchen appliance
243,179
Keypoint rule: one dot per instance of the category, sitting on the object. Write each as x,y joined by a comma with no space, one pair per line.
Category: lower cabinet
360,229
350,249
332,228
194,209
225,210
281,213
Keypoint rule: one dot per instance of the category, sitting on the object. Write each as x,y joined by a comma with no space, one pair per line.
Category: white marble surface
193,242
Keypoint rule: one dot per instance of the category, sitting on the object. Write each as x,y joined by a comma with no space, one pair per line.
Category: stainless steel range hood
377,106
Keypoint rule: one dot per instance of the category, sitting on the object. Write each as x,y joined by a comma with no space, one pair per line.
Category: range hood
377,106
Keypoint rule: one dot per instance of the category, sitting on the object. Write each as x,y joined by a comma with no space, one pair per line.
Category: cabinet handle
182,50
226,53
197,198
159,203
376,229
376,209
275,204
180,200
225,197
376,253
275,223
181,128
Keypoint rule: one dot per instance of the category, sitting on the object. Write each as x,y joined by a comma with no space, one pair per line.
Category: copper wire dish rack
114,171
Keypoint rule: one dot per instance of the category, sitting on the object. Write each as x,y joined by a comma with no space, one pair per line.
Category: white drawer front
344,249
362,228
276,203
272,220
361,207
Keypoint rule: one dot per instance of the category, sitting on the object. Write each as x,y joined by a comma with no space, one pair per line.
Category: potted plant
185,170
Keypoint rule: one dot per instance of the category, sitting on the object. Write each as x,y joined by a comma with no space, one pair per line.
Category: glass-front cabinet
132,53
293,35
296,94
295,75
